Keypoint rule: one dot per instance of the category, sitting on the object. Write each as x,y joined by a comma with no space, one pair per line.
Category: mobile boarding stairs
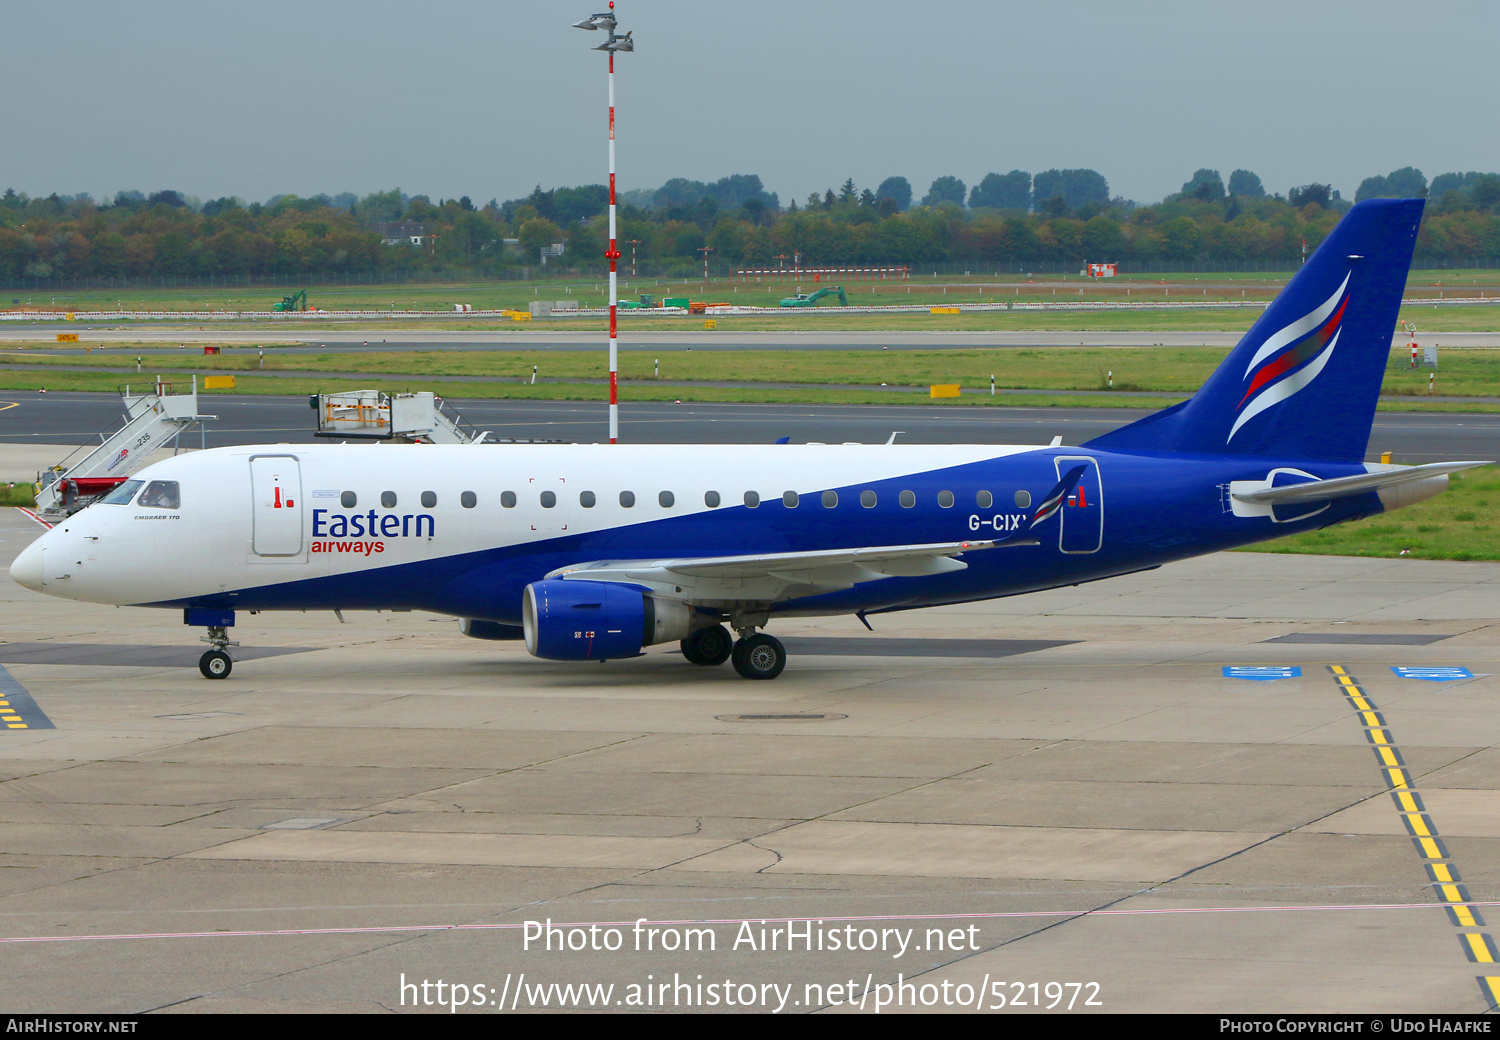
152,421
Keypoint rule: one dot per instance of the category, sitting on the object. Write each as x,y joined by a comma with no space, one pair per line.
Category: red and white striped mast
606,21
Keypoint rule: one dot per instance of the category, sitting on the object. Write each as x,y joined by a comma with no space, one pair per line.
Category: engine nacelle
598,620
583,620
489,629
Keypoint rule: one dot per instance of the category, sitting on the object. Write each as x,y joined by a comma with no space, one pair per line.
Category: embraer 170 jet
591,552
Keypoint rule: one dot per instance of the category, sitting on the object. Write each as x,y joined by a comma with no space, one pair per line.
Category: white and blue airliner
591,552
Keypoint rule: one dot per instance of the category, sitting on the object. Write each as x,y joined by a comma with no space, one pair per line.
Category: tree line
1053,216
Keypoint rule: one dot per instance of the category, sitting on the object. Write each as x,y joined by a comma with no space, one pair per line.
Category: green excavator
292,303
811,299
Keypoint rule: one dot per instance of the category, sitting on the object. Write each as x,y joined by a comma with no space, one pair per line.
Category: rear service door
1082,515
276,498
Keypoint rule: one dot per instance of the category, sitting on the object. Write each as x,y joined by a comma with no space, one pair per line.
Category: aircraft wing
767,576
1340,487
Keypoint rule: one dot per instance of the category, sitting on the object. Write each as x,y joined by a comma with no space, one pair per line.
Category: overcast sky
486,99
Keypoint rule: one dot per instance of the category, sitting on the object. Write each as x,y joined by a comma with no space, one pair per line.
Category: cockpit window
161,494
122,495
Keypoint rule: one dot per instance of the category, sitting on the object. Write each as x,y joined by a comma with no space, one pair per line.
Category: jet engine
599,620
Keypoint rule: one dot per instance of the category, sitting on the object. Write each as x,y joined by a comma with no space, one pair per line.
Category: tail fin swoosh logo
1292,357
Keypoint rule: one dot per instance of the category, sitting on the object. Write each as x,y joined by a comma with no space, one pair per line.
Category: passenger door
276,503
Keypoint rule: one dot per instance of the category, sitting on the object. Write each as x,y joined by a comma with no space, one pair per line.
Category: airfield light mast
606,21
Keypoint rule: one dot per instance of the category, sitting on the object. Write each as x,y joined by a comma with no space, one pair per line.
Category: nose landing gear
216,663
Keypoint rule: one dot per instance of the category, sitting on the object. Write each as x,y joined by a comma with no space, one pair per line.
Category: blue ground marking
1262,673
1433,674
19,705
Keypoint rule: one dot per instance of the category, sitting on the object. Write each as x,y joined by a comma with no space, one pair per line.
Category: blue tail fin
1304,380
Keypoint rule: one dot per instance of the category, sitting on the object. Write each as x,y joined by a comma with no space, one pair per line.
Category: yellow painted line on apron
1440,872
1418,825
1431,848
1461,916
10,404
1479,947
1407,801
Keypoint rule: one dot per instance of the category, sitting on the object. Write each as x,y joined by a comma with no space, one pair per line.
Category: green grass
1465,372
921,289
17,495
1460,524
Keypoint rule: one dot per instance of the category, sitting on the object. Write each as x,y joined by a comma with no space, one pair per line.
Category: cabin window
549,499
161,494
945,499
586,499
867,499
508,499
830,499
789,499
666,499
627,499
752,499
122,495
388,499
468,500
1023,499
907,499
984,499
711,499
429,499
348,500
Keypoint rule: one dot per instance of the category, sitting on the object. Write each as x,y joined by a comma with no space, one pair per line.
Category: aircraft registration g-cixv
591,552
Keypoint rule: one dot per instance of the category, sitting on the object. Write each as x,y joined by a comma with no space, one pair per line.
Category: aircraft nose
27,568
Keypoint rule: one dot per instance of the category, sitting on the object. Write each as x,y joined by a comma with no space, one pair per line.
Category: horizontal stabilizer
1341,487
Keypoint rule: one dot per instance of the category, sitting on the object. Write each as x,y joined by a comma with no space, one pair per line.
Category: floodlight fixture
604,21
617,43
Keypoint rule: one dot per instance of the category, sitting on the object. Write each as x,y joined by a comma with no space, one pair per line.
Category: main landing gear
708,645
755,656
216,663
759,656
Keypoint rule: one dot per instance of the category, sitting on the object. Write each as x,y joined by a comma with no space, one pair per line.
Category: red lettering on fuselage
358,548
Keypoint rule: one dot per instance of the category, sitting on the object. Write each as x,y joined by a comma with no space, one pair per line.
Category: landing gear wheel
215,664
759,656
708,646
